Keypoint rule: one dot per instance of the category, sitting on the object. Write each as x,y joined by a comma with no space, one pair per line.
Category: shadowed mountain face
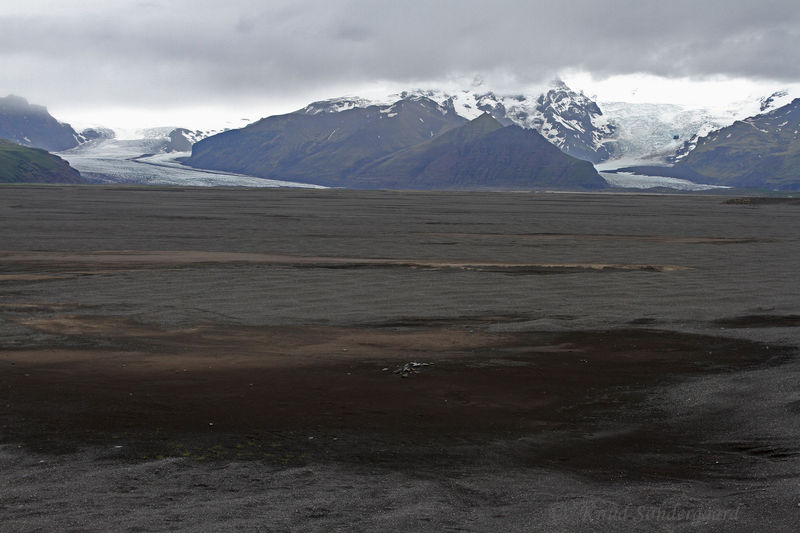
31,125
20,164
414,143
482,154
761,151
323,148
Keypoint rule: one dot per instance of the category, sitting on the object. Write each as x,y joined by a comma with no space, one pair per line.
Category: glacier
629,180
610,134
137,161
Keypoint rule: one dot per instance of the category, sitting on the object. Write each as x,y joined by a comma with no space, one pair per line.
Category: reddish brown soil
297,393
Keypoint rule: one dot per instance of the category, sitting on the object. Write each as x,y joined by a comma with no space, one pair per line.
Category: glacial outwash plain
207,359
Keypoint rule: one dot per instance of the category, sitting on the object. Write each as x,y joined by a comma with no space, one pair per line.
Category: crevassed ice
111,161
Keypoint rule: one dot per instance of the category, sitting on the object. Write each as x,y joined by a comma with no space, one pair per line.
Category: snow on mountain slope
574,122
647,131
164,139
568,119
336,105
727,115
775,100
602,132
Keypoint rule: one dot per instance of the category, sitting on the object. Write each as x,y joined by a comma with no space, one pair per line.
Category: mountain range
33,126
322,148
581,126
414,142
568,119
760,151
342,141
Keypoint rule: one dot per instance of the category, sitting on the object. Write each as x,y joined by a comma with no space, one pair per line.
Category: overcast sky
157,62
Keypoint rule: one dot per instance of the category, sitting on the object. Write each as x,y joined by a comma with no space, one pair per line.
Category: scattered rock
410,368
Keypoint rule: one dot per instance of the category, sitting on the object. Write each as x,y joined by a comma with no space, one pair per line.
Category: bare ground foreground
208,359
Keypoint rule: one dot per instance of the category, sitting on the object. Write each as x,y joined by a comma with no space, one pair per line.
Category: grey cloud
193,51
350,32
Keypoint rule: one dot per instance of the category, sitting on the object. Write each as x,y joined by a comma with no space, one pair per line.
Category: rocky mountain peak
568,119
773,100
573,122
334,105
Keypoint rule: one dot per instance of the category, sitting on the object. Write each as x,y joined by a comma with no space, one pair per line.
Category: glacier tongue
656,130
122,161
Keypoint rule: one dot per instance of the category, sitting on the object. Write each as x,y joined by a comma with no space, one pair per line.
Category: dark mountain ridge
32,126
482,154
413,143
761,151
322,148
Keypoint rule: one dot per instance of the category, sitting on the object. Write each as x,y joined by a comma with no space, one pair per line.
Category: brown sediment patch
88,325
461,321
602,236
133,259
263,347
31,277
760,321
763,200
330,392
28,307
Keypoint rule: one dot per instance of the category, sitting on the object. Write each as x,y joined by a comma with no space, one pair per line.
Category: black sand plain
208,359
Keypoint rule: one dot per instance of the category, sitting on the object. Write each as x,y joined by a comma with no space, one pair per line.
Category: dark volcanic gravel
207,359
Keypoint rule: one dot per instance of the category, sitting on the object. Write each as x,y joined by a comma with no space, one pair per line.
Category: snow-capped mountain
412,143
574,122
727,116
181,139
95,134
580,126
774,101
324,141
761,151
568,119
335,105
164,139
